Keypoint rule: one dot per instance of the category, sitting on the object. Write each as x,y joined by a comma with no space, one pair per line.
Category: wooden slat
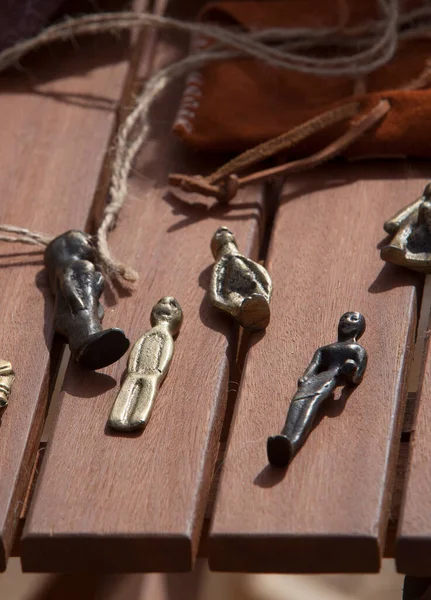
328,512
124,503
54,132
413,543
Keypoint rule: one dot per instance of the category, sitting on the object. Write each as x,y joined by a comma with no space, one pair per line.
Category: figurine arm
152,353
262,276
312,368
99,282
393,224
68,289
358,376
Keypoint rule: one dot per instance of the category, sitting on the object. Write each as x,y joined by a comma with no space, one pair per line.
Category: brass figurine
239,286
147,367
7,377
411,229
341,363
77,286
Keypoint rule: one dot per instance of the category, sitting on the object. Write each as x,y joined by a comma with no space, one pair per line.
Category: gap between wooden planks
57,118
329,511
124,503
413,540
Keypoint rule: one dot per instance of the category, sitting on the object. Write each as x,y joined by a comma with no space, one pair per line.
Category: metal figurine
341,363
411,229
77,287
147,367
7,377
239,286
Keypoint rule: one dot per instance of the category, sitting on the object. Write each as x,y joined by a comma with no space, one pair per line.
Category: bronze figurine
77,286
341,363
147,367
239,286
411,230
7,377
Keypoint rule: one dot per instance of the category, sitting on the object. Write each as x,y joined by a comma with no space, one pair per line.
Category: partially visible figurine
341,363
7,377
147,367
239,286
411,229
77,286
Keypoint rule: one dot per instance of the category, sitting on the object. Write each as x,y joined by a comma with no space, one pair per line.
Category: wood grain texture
110,502
413,542
56,119
328,512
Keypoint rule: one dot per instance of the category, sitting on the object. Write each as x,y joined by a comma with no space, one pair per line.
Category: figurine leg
100,349
134,403
254,313
300,419
395,251
143,406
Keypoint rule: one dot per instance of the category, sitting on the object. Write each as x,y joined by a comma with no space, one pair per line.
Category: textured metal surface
410,245
77,287
239,286
341,363
7,377
147,367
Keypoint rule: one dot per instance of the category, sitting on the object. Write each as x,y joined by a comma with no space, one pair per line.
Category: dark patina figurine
341,363
77,286
410,245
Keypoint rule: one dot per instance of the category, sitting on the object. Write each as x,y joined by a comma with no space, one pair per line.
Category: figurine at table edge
7,377
77,286
147,366
239,286
411,229
341,363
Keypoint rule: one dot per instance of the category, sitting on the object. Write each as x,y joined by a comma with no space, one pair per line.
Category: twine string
358,51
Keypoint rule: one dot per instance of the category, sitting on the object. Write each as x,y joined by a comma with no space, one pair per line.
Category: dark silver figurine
341,363
77,286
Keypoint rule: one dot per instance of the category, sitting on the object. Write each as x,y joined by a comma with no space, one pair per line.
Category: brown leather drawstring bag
234,105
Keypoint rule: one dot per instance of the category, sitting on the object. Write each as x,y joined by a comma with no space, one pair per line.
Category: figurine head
424,215
167,310
427,192
69,246
221,237
351,326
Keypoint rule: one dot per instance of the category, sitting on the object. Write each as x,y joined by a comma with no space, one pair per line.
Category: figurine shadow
80,383
114,290
310,186
209,315
194,212
333,407
10,259
65,59
270,476
136,433
2,413
42,284
393,276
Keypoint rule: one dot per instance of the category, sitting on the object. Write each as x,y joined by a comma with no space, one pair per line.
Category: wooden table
197,480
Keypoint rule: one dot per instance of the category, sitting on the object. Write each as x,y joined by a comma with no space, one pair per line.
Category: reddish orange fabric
236,104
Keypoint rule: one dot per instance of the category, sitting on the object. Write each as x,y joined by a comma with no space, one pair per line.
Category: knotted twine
363,49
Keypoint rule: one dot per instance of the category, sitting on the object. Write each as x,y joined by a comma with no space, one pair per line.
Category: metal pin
77,286
239,286
7,377
147,367
410,245
341,363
